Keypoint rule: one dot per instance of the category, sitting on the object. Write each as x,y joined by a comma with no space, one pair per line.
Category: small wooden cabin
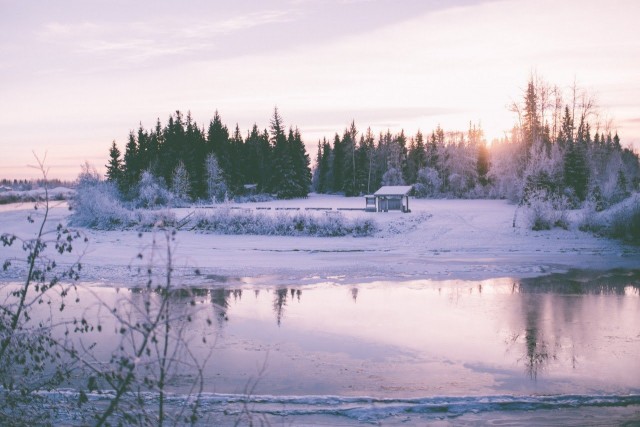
389,198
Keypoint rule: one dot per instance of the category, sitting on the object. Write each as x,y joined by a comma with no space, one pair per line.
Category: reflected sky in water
572,333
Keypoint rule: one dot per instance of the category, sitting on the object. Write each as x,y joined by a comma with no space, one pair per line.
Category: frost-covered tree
180,185
216,185
152,191
428,183
392,177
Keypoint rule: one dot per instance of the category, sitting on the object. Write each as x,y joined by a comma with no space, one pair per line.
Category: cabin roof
393,190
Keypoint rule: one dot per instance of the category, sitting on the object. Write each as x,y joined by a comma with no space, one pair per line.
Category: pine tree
433,148
616,142
114,167
400,149
337,165
265,158
482,164
349,149
131,167
621,190
218,144
144,149
576,171
362,166
282,180
155,146
251,157
300,164
368,145
315,180
532,129
565,136
172,148
324,180
194,151
416,158
236,162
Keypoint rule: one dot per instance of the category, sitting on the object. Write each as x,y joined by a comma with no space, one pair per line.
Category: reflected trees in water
560,322
537,351
280,298
220,302
584,282
354,294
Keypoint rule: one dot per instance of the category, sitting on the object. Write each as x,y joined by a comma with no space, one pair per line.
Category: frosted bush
478,192
621,221
457,184
152,192
392,177
544,212
227,221
590,217
254,198
96,205
625,222
428,183
149,219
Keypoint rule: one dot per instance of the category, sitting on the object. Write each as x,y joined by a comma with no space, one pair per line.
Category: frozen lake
374,351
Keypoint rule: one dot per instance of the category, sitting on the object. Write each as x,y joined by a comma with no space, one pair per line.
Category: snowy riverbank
404,343
466,239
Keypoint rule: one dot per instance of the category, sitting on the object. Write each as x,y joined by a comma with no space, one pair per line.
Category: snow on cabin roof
393,190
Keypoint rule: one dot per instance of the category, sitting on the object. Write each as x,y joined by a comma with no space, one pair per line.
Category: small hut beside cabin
389,198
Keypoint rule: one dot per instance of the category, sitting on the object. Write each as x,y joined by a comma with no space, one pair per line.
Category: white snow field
439,239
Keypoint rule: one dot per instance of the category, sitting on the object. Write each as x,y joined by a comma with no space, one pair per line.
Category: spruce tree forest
215,164
559,149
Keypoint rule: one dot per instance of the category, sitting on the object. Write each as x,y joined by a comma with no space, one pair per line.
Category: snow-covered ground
439,239
38,193
466,239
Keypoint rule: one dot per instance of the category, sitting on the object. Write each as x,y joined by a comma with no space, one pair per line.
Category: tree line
212,164
454,163
561,148
556,149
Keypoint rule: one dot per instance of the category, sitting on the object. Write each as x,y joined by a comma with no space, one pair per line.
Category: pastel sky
77,74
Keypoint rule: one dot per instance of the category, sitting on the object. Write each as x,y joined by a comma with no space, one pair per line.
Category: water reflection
537,351
551,329
563,315
584,282
220,298
577,332
279,302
